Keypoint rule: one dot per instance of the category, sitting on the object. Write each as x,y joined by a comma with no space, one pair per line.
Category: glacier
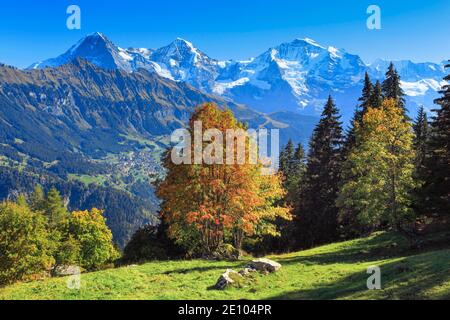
294,76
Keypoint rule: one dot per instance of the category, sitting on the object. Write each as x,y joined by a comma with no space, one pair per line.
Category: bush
151,243
68,253
24,245
144,246
89,229
227,252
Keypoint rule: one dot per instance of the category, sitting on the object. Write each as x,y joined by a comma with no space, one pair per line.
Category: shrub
24,245
144,246
68,252
95,238
151,243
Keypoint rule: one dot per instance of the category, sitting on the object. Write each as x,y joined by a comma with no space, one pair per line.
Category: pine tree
421,140
422,132
392,87
286,159
365,102
365,98
317,212
55,210
37,199
376,99
294,172
437,185
348,224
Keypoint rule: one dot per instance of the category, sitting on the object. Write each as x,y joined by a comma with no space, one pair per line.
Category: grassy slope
336,271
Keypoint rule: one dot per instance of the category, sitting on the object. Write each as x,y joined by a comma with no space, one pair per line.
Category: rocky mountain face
89,110
295,76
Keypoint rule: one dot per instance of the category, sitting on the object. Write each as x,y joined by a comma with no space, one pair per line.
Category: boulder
247,271
63,271
227,279
265,265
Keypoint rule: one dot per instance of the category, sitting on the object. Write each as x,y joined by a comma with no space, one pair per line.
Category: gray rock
265,265
226,279
63,271
247,271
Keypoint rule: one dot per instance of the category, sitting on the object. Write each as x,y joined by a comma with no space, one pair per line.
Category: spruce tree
421,140
364,104
316,211
300,159
292,167
392,88
37,199
376,100
55,210
287,158
365,98
348,224
422,132
350,138
437,183
297,173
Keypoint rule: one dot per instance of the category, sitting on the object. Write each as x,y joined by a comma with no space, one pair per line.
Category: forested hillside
78,125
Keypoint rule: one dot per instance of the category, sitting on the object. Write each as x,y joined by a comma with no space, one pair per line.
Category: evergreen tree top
445,100
330,110
392,87
328,134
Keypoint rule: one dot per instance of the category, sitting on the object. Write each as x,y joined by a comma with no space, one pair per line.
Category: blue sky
32,30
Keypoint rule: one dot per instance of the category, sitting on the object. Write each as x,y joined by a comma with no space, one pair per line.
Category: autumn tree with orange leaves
210,204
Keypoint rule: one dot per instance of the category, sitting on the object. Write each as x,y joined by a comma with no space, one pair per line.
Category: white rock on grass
62,271
265,265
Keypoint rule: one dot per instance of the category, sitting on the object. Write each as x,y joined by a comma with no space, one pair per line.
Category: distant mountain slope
80,122
296,76
85,109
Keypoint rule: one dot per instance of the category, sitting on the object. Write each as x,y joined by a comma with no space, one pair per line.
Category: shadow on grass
412,278
379,247
202,269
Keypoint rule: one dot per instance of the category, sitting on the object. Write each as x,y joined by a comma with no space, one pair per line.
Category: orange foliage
213,203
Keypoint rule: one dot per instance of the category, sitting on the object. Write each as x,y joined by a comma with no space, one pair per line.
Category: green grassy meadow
337,271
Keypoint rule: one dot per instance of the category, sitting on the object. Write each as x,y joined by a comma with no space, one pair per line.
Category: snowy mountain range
295,76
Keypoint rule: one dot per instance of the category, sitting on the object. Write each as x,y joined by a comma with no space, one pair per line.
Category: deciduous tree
206,205
382,165
24,243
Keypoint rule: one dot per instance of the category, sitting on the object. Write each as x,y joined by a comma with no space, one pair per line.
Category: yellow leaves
382,166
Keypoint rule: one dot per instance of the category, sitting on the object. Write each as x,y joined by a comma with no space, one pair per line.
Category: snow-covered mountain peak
180,50
96,48
309,41
335,52
94,41
297,75
184,42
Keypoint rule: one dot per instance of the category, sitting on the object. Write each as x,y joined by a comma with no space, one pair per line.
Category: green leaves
382,166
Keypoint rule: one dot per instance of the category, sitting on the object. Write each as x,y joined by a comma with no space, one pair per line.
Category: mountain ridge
296,76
